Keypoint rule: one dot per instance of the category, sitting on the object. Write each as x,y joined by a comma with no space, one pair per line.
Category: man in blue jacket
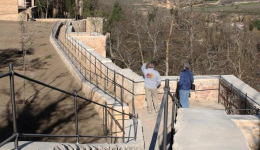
186,79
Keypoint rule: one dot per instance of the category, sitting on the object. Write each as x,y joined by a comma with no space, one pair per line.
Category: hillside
43,110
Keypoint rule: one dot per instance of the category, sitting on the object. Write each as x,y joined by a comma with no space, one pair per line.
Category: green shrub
257,24
251,25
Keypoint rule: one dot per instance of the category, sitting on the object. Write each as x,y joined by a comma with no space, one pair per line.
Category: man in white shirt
152,80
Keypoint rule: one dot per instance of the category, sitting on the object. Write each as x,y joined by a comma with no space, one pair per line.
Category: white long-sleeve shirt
152,77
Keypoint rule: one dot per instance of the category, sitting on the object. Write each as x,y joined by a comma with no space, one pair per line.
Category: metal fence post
173,115
15,131
76,114
90,63
230,103
122,90
123,125
115,83
106,120
245,102
219,89
165,117
107,76
96,69
133,98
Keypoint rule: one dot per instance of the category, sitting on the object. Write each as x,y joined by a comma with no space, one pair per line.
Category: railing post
96,69
76,114
165,117
227,97
230,103
219,89
90,63
173,115
111,126
122,90
115,83
107,76
245,102
106,120
133,97
15,131
123,125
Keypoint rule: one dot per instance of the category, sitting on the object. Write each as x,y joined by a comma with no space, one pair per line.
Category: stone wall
8,7
96,42
79,25
53,20
91,24
91,91
94,24
10,17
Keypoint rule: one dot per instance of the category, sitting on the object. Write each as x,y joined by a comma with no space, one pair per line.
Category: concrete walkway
149,120
206,129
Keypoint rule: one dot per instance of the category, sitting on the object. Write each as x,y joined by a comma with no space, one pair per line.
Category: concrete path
206,129
149,120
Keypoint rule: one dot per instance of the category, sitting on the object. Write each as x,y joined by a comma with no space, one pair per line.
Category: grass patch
48,57
247,8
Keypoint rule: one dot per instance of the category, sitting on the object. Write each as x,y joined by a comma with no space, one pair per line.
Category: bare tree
26,41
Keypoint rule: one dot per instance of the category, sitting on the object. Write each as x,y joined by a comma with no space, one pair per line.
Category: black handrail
65,92
240,92
16,134
164,106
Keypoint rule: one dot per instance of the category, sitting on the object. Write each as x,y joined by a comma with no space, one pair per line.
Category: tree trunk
47,8
167,48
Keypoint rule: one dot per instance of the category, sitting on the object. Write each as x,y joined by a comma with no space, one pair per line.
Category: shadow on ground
56,118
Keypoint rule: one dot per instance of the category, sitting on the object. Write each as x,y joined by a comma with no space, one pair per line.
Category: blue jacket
186,79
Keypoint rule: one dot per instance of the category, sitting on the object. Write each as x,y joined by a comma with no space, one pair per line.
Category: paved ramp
207,129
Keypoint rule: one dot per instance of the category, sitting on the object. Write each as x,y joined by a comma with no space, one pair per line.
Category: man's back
151,76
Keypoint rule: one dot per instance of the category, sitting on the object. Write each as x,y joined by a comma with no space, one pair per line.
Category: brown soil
42,110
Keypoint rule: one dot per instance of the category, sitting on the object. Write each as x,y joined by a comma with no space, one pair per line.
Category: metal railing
23,4
107,112
78,48
164,107
235,101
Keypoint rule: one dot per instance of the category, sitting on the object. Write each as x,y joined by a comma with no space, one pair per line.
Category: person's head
186,65
151,64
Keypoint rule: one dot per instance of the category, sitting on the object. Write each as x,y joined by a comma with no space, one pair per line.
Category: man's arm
159,80
192,78
181,79
143,67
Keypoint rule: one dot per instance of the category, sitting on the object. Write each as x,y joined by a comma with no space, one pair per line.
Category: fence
107,113
127,85
235,101
164,107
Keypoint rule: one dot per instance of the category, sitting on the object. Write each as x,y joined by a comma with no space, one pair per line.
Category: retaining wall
91,91
8,7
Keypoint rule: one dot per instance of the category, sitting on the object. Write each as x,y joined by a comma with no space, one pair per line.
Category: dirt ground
41,110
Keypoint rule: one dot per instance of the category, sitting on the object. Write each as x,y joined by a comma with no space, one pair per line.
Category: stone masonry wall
8,7
96,42
91,92
94,24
